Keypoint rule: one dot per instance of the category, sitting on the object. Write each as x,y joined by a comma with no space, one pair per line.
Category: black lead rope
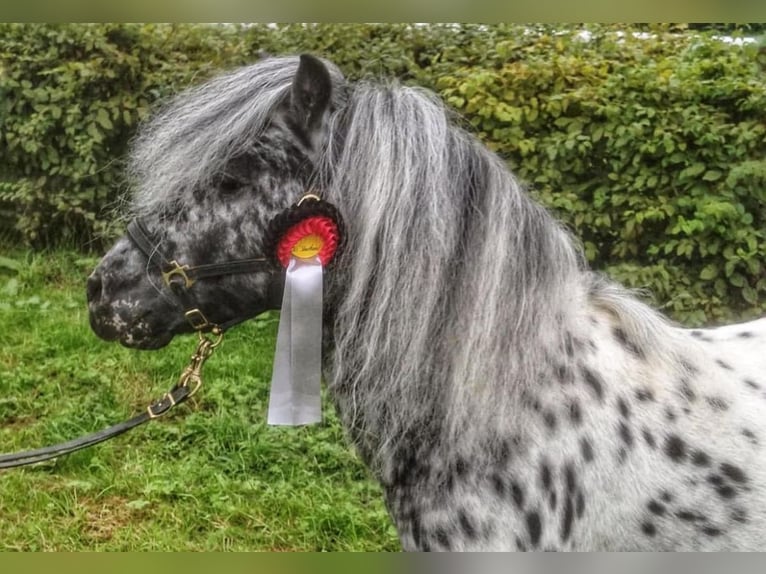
188,383
174,397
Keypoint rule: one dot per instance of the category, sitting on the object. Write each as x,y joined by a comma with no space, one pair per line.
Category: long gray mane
453,275
456,287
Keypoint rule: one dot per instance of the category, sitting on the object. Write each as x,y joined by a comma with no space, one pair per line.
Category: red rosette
321,227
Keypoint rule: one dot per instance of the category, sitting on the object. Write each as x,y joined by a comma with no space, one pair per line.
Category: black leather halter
180,278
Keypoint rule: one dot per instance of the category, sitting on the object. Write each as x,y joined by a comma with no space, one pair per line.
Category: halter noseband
180,278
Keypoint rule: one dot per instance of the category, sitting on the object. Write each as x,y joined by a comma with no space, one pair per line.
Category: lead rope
187,385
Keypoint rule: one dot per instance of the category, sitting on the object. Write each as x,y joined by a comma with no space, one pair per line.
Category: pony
504,395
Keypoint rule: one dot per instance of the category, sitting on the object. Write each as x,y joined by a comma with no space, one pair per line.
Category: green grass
210,476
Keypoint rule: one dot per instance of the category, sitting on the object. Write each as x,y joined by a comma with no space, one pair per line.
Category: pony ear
310,93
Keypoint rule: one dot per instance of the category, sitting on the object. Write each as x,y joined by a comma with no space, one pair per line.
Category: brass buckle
153,415
191,377
197,319
180,270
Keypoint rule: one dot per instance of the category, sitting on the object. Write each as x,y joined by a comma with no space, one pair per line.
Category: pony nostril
94,287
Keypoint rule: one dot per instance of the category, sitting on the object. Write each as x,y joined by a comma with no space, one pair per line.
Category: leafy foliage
650,146
648,141
70,97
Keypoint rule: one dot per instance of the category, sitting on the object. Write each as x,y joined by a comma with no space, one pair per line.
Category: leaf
694,170
749,294
102,117
709,272
737,280
712,175
93,132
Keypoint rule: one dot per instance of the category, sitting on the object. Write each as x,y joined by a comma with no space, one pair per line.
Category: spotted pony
505,396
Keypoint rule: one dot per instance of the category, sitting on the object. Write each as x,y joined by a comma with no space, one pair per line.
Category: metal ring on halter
217,332
313,196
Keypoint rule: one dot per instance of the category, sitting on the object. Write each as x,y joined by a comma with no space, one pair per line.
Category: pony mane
454,282
192,138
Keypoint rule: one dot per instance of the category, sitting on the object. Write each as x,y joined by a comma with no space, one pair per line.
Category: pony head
210,171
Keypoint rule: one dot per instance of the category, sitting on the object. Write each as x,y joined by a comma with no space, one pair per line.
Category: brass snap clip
191,377
180,270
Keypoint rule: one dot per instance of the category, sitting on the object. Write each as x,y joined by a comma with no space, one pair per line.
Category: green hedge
648,142
651,148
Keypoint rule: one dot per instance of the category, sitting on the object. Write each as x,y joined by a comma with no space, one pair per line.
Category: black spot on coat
711,531
567,519
570,478
733,472
443,538
580,504
627,344
517,494
670,414
545,476
466,525
649,529
724,365
550,420
717,403
626,434
623,407
498,485
586,449
649,438
689,516
656,507
675,448
534,527
687,391
644,395
575,413
700,458
594,381
752,384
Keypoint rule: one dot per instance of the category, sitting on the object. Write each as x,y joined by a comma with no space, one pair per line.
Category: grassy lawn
210,476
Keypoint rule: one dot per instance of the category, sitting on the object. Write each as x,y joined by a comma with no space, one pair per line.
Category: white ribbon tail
295,383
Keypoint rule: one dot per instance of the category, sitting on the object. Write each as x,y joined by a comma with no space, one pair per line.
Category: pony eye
229,184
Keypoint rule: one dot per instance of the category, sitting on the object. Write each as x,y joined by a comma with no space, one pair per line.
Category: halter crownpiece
304,239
